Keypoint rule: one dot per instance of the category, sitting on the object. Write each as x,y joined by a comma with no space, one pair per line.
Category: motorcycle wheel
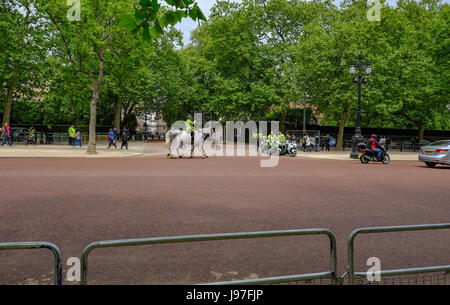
386,159
364,159
292,152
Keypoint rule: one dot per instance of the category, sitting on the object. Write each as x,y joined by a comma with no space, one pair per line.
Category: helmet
189,116
374,136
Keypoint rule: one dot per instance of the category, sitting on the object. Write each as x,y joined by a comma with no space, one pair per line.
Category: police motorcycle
289,149
366,154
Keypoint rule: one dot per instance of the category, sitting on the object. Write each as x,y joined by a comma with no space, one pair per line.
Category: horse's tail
168,139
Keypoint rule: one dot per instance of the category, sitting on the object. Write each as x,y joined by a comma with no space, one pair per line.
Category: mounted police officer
190,127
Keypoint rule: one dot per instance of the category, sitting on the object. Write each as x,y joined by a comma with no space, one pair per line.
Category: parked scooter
366,154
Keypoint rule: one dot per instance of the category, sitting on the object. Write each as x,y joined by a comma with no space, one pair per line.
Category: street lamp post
358,138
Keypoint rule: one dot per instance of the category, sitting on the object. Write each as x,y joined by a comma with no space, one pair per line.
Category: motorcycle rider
282,141
373,145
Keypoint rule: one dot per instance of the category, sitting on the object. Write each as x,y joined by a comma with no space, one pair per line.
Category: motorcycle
367,154
289,149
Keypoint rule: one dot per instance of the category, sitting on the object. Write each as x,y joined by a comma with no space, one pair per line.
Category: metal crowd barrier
39,245
331,274
352,275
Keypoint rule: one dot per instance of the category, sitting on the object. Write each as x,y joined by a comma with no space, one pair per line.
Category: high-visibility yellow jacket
71,132
282,139
190,125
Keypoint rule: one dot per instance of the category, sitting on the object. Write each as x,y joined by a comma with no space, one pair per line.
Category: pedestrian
71,132
327,143
308,143
124,139
116,135
111,138
303,143
316,143
383,141
31,137
388,143
77,139
7,135
49,135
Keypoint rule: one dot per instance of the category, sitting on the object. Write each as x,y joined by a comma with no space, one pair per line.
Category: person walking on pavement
31,137
327,143
116,135
77,139
124,139
388,143
7,135
71,132
111,138
49,135
316,143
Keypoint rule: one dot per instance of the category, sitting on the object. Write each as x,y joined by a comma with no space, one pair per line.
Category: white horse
176,139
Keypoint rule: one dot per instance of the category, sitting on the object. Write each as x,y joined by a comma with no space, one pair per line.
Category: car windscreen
440,143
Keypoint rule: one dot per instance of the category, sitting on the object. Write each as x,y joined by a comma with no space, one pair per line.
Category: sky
188,25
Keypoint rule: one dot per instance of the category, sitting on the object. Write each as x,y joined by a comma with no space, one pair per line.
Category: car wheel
430,164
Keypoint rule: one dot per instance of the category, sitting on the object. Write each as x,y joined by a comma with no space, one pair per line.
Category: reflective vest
190,125
257,135
71,132
282,139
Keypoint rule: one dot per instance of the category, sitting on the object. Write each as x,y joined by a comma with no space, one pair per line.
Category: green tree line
252,60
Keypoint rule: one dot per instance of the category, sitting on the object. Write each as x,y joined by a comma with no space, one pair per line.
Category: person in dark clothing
49,135
124,139
316,143
327,143
388,143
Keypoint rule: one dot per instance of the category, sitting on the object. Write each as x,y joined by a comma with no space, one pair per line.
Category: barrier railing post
332,274
39,245
351,269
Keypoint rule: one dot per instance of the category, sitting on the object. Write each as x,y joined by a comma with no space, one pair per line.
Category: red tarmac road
73,202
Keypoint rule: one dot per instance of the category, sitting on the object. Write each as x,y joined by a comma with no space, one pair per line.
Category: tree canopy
252,60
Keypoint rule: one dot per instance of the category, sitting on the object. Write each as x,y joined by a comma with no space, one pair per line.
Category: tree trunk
118,112
421,131
92,145
8,104
342,122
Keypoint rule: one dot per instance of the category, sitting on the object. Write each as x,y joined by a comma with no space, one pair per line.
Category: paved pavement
151,149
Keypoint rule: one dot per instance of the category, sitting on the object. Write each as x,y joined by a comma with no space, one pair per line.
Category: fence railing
331,274
352,275
39,245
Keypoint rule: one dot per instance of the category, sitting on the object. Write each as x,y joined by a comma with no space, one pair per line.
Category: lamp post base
355,150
